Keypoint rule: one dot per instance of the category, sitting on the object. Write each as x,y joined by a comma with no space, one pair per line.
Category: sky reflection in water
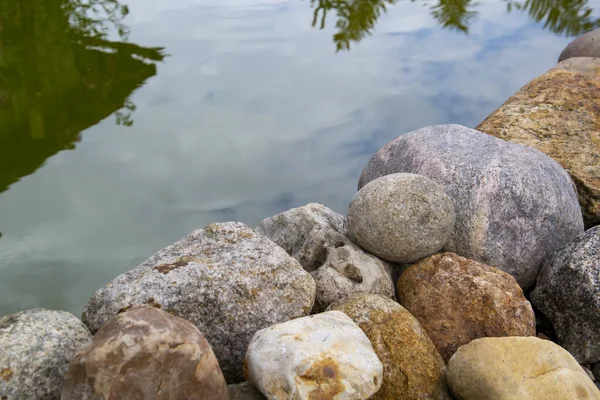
230,110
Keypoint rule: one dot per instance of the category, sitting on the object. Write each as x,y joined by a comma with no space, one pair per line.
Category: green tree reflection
59,74
357,18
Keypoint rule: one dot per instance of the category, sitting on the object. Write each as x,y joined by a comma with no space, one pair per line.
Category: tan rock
146,353
457,300
558,113
517,368
412,367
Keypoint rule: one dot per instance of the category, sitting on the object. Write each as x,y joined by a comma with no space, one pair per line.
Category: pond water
125,126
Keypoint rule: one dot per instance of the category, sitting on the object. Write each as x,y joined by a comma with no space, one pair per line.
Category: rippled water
123,130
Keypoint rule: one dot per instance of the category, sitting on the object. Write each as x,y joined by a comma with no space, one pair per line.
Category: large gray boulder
401,218
226,279
146,353
36,347
568,293
587,45
514,205
316,237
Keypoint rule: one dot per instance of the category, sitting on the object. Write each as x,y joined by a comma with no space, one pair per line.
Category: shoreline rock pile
455,244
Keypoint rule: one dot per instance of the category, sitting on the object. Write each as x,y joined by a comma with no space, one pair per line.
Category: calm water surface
124,126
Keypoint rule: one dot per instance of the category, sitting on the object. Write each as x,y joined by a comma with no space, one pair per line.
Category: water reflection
59,74
357,18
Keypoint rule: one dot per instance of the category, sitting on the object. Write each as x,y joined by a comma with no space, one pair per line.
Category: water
123,130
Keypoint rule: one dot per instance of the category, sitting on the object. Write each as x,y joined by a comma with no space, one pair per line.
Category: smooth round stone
587,45
512,368
401,217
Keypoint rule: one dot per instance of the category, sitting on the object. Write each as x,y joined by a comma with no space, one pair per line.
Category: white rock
321,356
316,237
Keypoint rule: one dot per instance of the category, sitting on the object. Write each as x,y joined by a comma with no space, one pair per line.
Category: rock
514,205
412,367
227,280
244,391
401,217
316,237
587,45
589,373
146,353
596,371
517,368
35,349
558,113
323,356
457,300
568,293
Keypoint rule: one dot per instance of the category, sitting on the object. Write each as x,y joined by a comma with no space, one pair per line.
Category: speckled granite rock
401,217
316,237
558,113
568,293
323,356
226,279
512,368
412,367
36,347
586,45
145,353
514,205
244,391
457,300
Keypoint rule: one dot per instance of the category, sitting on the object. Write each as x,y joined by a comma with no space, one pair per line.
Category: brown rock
558,113
457,300
412,366
145,353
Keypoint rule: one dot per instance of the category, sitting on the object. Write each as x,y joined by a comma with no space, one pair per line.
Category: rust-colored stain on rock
166,268
324,374
6,374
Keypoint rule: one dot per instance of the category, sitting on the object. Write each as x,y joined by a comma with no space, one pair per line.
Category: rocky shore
467,267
